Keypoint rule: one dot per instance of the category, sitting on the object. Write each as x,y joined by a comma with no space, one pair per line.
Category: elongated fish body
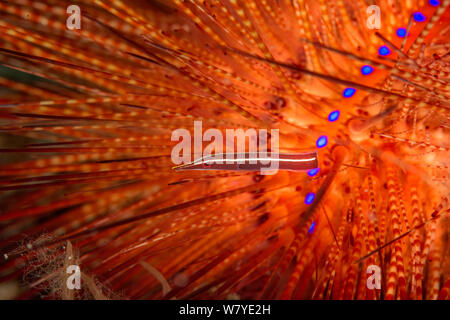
254,162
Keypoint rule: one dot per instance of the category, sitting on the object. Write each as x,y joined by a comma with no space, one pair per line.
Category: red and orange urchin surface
86,178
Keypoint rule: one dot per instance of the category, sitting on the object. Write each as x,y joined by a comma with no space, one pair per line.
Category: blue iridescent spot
311,229
384,51
322,141
401,32
309,198
313,172
348,92
419,17
434,3
333,116
365,70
